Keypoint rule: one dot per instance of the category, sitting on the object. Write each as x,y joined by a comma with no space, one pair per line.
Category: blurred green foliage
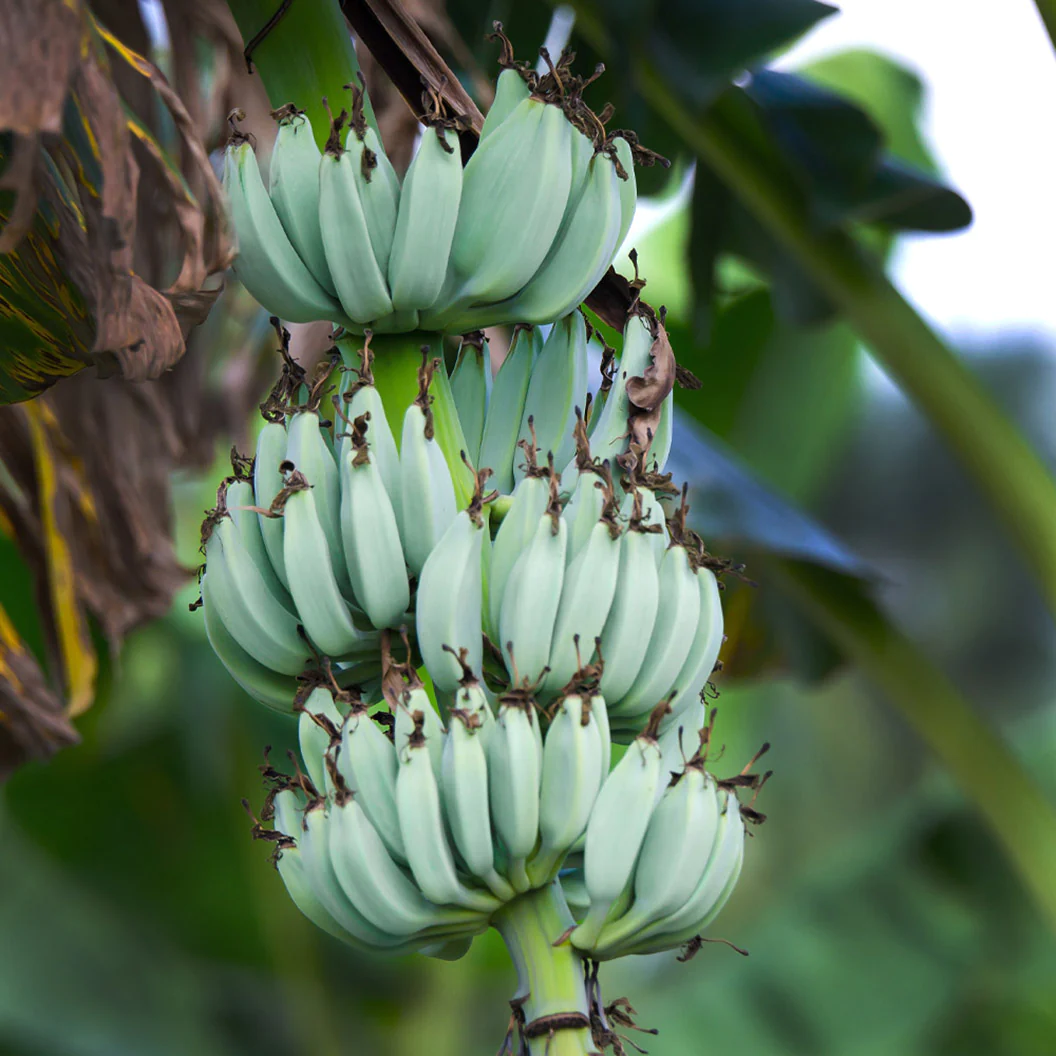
139,918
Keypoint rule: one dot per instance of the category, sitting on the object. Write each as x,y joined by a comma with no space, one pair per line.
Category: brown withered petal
651,389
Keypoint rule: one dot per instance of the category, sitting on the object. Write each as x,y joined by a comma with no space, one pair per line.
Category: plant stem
551,977
1019,486
307,55
1047,11
1018,813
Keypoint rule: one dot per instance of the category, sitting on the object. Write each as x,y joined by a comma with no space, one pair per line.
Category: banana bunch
522,233
310,553
402,833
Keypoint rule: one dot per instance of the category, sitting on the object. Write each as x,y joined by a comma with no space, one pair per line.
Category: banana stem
550,977
306,54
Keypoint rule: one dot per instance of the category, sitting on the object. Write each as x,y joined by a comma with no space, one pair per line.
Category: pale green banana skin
379,195
586,597
672,638
615,833
628,190
572,773
294,188
464,781
360,283
710,895
251,613
425,223
470,386
679,738
582,252
372,550
558,386
599,709
239,500
380,442
433,728
427,496
625,637
498,444
367,761
267,483
660,448
675,852
608,429
290,866
314,741
530,607
583,511
377,886
514,192
270,688
510,90
652,514
450,602
324,613
310,453
267,264
428,852
704,651
514,778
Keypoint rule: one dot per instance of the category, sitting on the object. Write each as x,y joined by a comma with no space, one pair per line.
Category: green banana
498,444
293,176
267,264
253,616
510,91
360,282
449,602
422,824
628,188
323,611
615,833
425,223
267,483
427,494
609,429
371,537
704,652
415,702
558,388
314,737
572,774
240,499
470,386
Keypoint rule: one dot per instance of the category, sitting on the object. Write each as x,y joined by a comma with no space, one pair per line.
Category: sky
990,79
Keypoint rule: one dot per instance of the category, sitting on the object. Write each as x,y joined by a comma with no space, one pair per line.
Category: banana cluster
408,831
523,233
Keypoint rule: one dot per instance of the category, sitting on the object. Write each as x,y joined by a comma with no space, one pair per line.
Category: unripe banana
571,779
422,824
652,518
558,387
615,833
376,885
367,762
253,616
449,603
294,188
586,597
290,866
270,688
599,709
628,188
372,550
323,611
609,429
267,483
498,444
308,450
514,777
464,780
583,510
532,595
425,223
415,711
710,895
673,633
582,252
514,191
267,264
510,91
427,494
360,282
376,181
675,852
470,386
628,627
704,652
240,499
314,736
